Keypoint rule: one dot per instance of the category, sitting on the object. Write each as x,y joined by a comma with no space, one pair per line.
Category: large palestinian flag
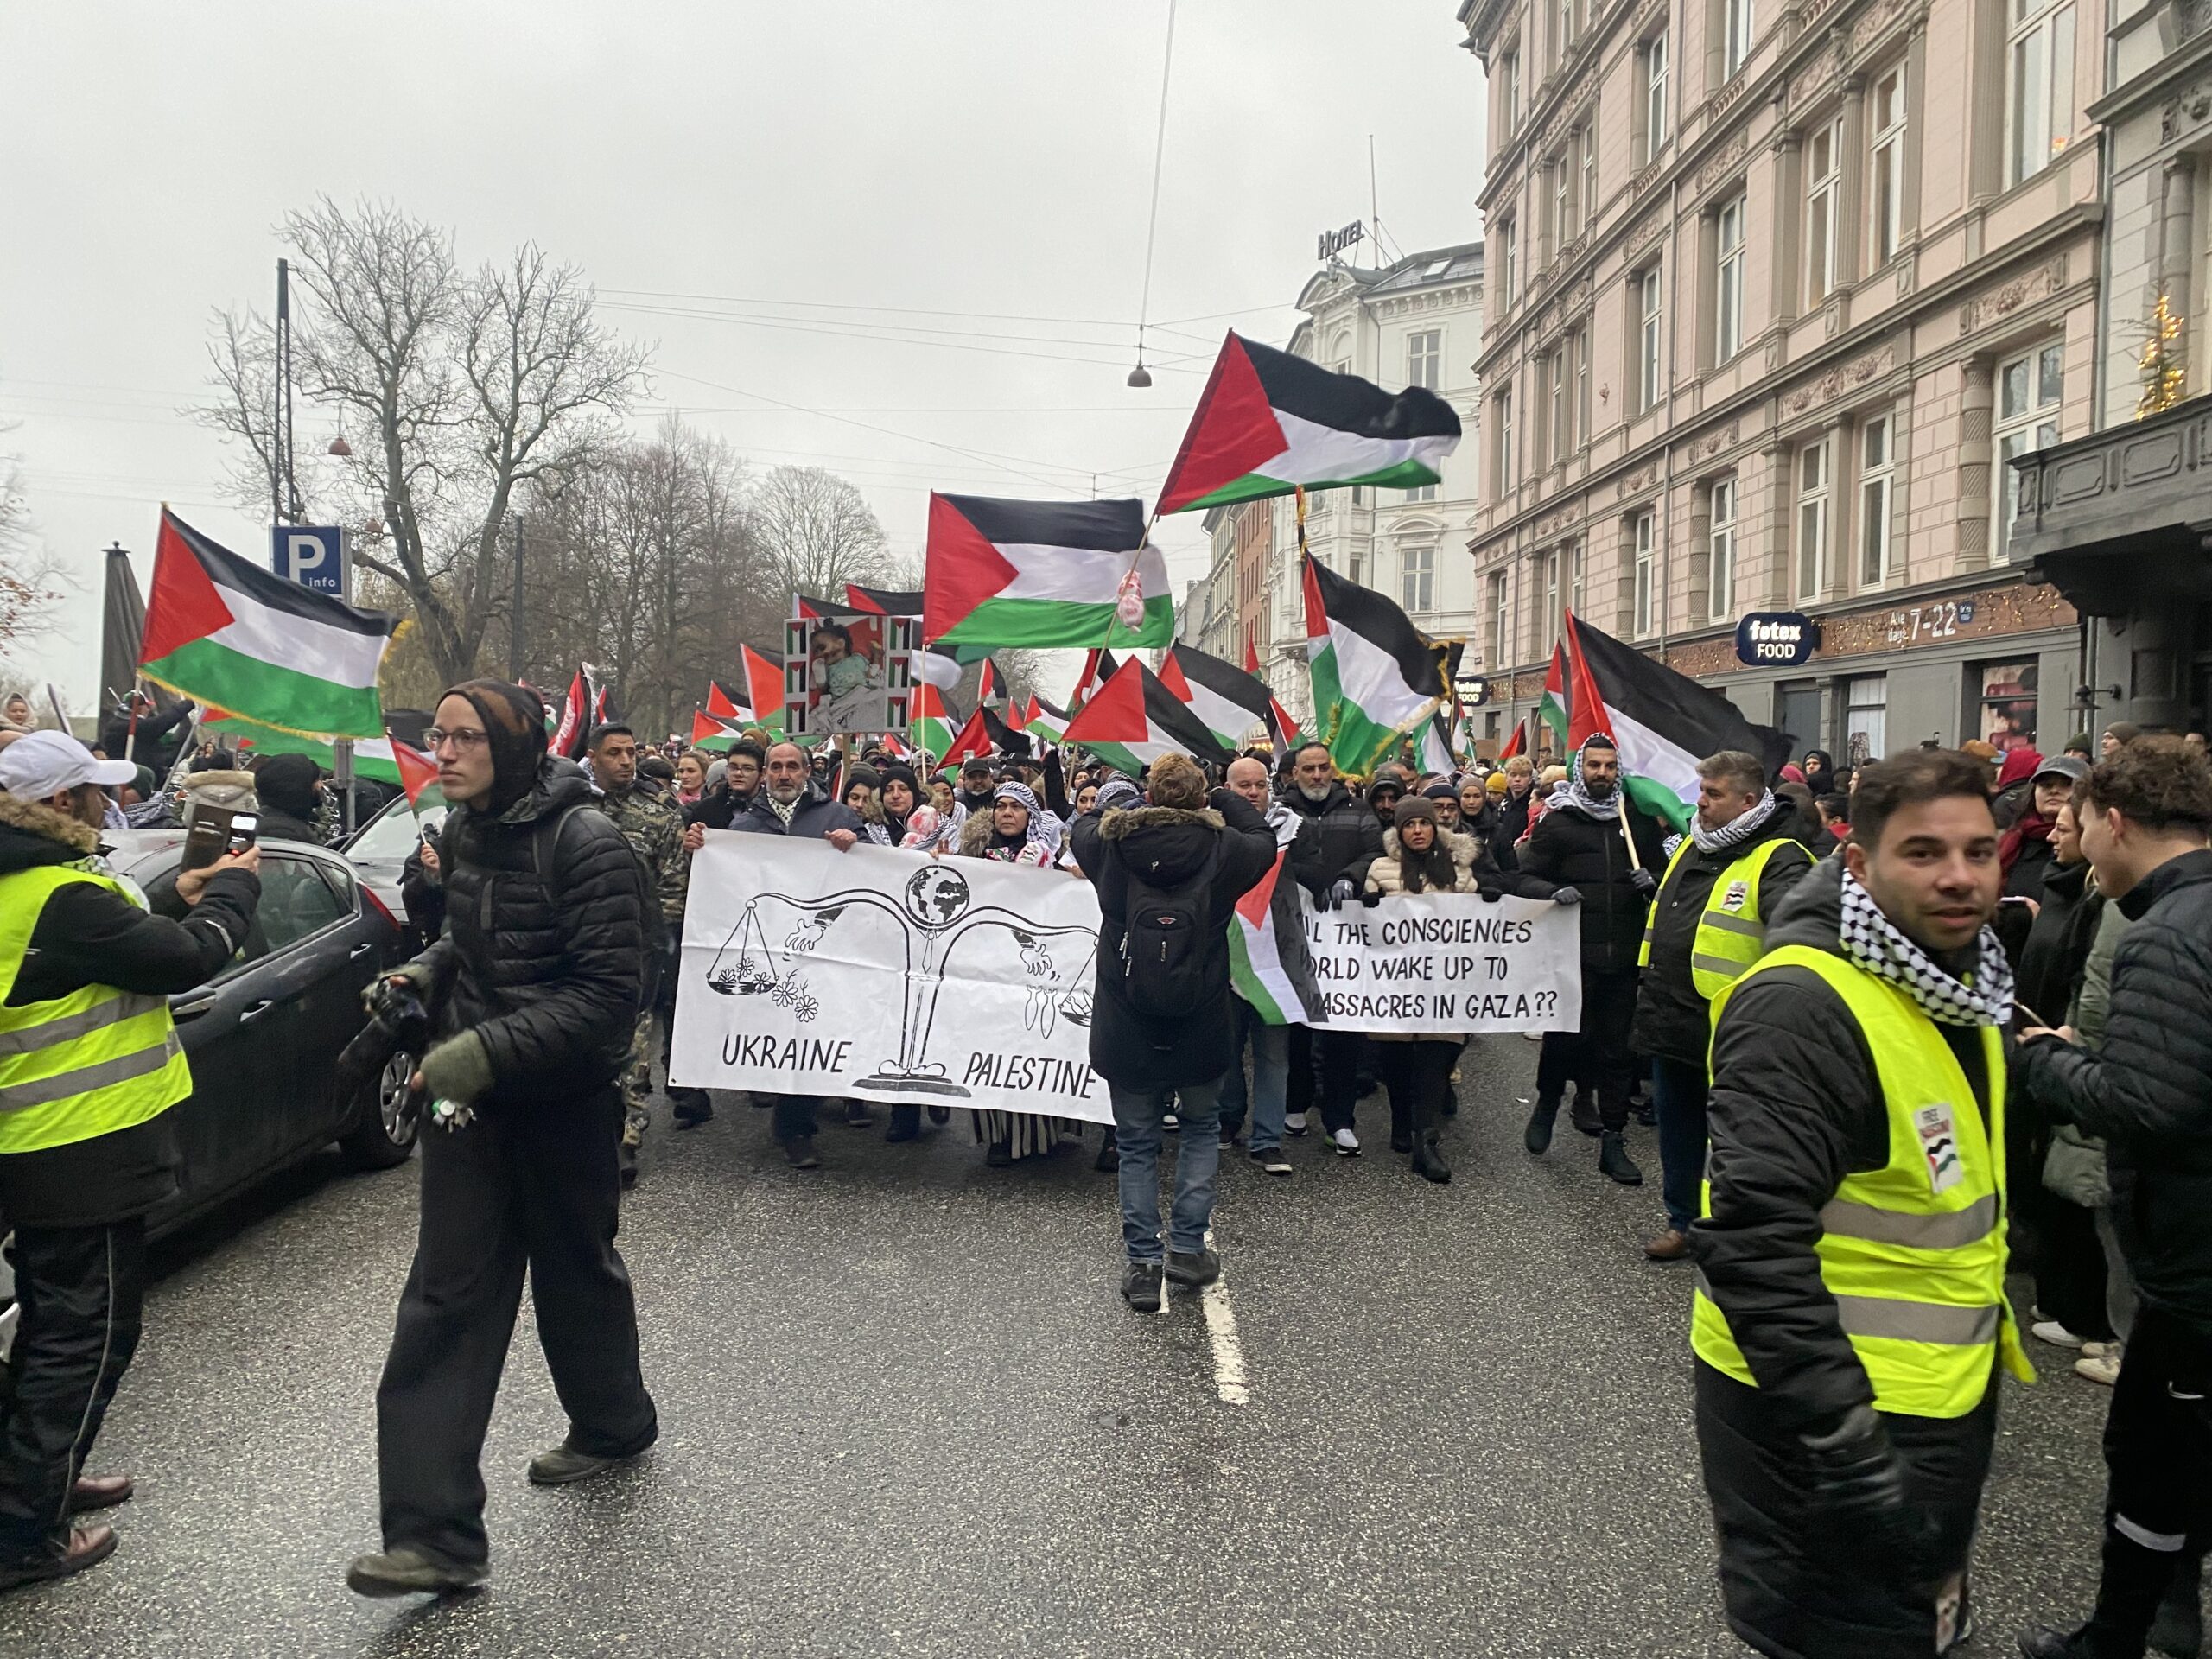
372,756
1269,961
1376,676
1133,720
882,601
1230,701
225,632
1269,423
1043,573
1551,709
1048,719
1664,723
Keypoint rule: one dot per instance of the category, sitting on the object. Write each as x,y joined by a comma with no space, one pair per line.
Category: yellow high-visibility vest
1913,1252
85,1065
1732,930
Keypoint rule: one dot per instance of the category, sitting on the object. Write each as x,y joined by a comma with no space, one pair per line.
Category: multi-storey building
2116,519
1773,290
1414,323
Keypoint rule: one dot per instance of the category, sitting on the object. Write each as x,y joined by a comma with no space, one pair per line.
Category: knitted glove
457,1070
376,995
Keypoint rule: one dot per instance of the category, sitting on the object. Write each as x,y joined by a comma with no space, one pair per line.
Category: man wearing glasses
533,992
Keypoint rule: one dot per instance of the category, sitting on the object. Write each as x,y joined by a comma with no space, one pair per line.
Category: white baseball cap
39,765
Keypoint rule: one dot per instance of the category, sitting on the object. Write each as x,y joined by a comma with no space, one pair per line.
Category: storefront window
2005,707
1866,718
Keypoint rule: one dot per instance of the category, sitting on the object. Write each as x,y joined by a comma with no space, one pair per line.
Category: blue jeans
1679,1092
1136,1128
1270,1088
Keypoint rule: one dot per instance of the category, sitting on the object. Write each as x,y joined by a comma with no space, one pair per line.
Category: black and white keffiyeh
1878,945
1736,832
1576,794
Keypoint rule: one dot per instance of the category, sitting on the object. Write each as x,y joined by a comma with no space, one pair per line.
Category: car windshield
390,836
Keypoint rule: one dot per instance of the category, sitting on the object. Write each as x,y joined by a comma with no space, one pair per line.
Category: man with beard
1582,842
1349,838
790,803
976,784
1708,924
1850,1315
534,993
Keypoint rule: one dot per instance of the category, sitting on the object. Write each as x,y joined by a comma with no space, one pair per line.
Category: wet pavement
904,1412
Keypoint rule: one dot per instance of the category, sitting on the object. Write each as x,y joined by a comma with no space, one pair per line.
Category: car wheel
389,1117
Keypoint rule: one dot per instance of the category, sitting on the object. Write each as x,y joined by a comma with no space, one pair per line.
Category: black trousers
1417,1074
1597,1056
1338,1054
2158,1452
81,1290
1299,1097
518,1189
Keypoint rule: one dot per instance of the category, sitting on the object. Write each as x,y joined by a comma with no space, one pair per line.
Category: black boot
1538,1139
690,1107
1428,1159
1110,1153
905,1123
1584,1113
1613,1160
2178,1631
2135,1583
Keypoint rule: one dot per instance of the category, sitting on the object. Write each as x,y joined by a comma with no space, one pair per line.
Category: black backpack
1164,941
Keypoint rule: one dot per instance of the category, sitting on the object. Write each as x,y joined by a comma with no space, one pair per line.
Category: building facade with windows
1789,283
2117,519
1414,323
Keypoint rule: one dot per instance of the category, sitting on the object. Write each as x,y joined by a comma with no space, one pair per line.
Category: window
1417,578
1653,54
1552,624
1866,718
1642,535
1728,287
1561,437
1420,492
1877,471
1736,36
1586,141
1508,263
1648,360
2038,87
1885,185
1499,618
1506,477
1572,555
2003,711
1812,480
1823,183
1508,76
1579,344
1562,213
1562,27
2029,392
1424,358
1720,564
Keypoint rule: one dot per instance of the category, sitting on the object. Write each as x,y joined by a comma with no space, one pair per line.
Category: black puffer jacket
2148,1090
2057,946
815,816
1348,839
544,951
1571,850
1672,1021
1171,847
1795,1109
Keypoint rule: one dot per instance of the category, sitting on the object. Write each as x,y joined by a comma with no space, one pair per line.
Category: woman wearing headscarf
1016,830
861,795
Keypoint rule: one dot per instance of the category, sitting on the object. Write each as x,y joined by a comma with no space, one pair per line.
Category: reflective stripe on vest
88,1063
1913,1253
1730,936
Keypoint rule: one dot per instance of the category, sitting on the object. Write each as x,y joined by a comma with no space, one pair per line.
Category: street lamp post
514,632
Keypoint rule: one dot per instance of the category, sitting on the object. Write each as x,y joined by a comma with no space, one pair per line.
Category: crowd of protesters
1899,1029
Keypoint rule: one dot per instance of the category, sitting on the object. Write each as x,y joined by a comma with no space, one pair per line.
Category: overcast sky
832,178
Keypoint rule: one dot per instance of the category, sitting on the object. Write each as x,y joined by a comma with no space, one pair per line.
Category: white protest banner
888,976
1448,963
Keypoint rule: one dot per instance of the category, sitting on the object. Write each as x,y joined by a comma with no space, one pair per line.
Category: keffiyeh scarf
1734,834
1575,793
1878,945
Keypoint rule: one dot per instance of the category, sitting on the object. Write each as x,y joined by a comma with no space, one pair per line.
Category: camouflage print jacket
654,828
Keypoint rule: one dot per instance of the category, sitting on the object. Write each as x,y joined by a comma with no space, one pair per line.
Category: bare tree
816,531
472,386
31,576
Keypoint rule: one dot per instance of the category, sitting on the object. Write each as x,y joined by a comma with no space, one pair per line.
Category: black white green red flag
1230,701
1269,963
1664,723
1376,676
1282,729
1133,720
1269,423
1043,573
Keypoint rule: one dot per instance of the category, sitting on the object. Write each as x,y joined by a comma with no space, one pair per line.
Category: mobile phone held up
215,831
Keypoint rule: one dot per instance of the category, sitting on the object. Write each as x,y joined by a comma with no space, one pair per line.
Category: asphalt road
905,1412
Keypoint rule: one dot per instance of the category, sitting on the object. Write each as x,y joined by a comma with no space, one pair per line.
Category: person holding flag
1590,841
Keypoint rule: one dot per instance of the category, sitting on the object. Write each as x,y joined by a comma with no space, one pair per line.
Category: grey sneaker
406,1571
1274,1160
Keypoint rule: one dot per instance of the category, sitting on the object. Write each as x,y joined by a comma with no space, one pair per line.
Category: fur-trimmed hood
1385,875
1163,845
231,791
32,835
1119,823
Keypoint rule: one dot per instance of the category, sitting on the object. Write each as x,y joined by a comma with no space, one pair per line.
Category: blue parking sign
312,555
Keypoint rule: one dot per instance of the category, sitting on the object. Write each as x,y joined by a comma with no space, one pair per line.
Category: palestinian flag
1376,676
1098,667
1043,573
573,726
1047,718
758,700
973,739
937,665
1282,730
1230,701
711,734
1005,737
372,755
1663,723
990,686
226,633
930,727
1269,423
1551,707
1269,963
418,776
882,601
1133,720
1516,743
719,704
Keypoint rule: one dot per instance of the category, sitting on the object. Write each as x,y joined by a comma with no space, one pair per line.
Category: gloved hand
377,995
1370,897
1342,894
1644,881
457,1070
1860,1482
1569,896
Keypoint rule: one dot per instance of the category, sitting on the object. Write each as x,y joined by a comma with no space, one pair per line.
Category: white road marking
1228,1352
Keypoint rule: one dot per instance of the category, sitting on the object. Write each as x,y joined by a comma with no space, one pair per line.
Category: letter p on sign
314,556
